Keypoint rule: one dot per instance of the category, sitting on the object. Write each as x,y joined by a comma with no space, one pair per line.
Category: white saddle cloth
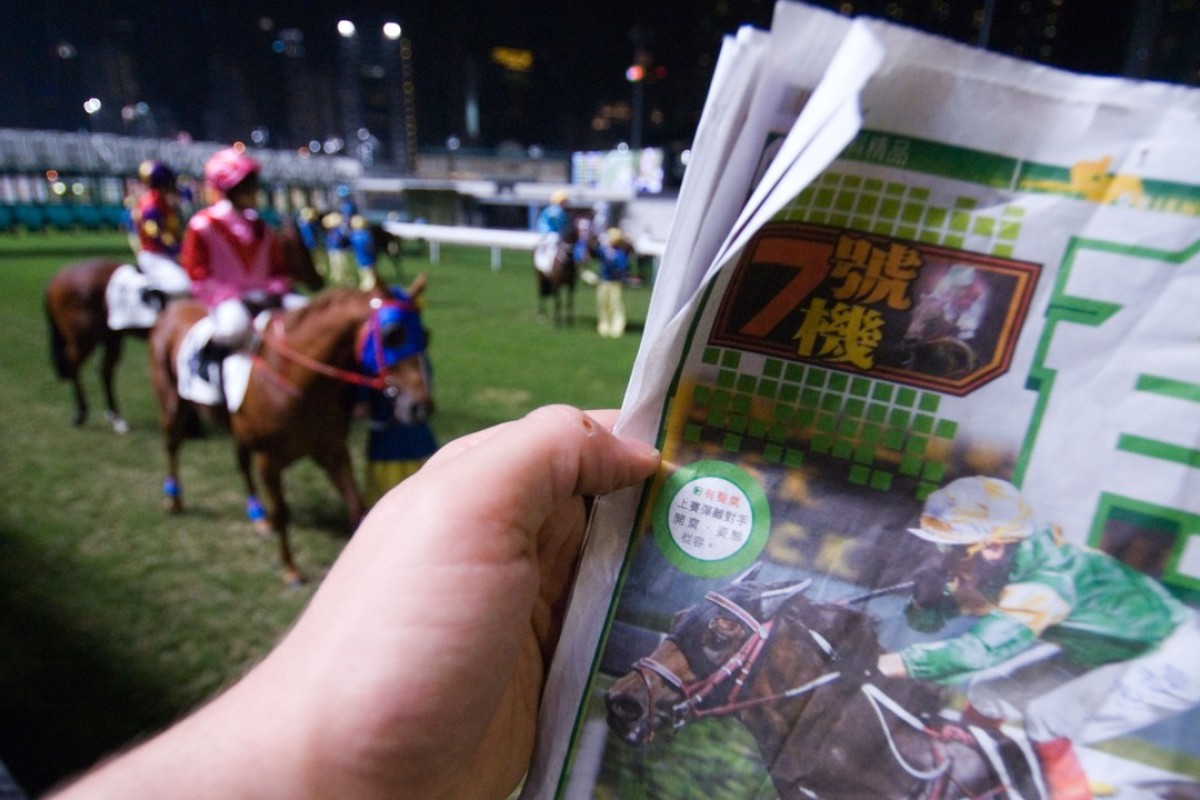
235,371
123,296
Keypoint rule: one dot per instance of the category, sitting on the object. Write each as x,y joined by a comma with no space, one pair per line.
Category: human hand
892,665
417,669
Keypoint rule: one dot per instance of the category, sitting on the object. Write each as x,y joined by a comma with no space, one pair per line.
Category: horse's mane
851,632
320,304
855,640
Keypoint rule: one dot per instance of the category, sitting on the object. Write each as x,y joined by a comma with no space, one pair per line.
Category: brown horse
558,284
303,385
77,313
801,677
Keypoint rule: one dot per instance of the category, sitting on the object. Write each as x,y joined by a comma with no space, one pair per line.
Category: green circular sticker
711,519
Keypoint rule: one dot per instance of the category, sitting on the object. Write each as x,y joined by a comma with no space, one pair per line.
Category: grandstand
51,180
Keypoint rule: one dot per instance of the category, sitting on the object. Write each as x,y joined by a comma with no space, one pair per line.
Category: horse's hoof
119,426
262,527
78,418
293,579
172,505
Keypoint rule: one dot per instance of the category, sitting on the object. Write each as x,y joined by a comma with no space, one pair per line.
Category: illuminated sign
513,59
910,312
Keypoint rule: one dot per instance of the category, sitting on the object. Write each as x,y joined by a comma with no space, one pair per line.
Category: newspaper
923,361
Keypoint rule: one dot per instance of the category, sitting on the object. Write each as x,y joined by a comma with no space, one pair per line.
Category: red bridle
279,344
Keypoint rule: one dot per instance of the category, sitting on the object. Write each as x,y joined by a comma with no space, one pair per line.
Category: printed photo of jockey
1128,645
953,308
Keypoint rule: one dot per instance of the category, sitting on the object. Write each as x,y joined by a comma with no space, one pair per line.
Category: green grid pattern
893,209
794,411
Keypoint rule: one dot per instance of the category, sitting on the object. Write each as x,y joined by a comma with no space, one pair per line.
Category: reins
738,668
280,345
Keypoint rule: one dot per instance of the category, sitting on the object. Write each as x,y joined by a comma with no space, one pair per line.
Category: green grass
115,617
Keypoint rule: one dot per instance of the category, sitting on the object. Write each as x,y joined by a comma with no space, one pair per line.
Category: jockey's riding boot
1064,775
155,298
208,362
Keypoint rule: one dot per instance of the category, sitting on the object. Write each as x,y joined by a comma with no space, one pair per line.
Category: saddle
544,253
132,301
210,387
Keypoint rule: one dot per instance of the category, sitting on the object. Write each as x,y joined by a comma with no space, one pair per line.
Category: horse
310,367
558,282
77,317
802,678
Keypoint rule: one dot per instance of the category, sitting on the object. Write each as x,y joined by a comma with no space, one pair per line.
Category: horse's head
720,658
704,662
392,346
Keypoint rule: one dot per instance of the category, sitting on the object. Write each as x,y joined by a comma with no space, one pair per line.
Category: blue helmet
156,174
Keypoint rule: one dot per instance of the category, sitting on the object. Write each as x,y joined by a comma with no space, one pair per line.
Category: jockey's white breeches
232,320
164,273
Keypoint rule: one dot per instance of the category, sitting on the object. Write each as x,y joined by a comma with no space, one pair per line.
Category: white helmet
973,510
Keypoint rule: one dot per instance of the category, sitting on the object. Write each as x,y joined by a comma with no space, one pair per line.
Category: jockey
337,238
158,227
1122,639
610,303
232,255
363,243
553,218
551,223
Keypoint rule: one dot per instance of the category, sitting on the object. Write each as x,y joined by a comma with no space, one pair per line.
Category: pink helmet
229,167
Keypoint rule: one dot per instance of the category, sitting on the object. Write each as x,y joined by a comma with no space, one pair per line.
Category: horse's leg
338,466
254,509
81,405
172,416
541,294
171,422
559,313
271,472
108,369
74,353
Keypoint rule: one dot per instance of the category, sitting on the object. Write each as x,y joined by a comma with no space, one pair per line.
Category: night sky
581,52
184,54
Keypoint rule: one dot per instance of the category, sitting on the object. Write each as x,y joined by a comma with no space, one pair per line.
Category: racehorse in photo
77,313
556,282
310,368
801,677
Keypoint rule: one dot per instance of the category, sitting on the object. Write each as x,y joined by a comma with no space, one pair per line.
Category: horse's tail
58,345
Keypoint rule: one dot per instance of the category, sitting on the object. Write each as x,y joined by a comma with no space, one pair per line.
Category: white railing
496,239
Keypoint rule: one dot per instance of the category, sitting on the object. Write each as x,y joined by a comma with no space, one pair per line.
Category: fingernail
639,448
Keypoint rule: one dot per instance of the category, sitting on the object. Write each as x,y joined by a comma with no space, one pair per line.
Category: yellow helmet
972,510
559,197
615,236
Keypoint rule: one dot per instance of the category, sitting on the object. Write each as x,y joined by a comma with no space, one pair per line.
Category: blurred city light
346,28
92,105
391,30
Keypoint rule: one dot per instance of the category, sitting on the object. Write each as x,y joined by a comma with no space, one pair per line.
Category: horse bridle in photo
736,668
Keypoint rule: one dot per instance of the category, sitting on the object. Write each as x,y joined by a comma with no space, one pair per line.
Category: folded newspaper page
923,360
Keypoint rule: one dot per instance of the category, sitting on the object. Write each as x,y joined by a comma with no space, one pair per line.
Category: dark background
210,68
